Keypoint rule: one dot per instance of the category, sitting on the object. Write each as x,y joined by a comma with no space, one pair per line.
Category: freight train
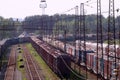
56,60
4,44
101,61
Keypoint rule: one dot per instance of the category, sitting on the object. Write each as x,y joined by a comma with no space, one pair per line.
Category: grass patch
112,41
47,72
5,56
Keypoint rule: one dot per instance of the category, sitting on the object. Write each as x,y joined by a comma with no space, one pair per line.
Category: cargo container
110,50
96,64
53,57
83,57
70,50
61,45
107,67
90,59
118,52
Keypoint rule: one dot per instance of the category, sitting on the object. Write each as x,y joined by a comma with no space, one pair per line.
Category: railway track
82,70
10,72
31,65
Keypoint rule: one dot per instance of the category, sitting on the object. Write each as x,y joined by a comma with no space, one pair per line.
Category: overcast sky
23,8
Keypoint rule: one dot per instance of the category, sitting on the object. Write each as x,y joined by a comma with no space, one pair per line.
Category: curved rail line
9,74
31,66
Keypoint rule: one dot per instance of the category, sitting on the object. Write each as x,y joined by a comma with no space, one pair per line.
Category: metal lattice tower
83,29
76,29
76,22
43,5
111,20
82,22
99,33
111,31
99,20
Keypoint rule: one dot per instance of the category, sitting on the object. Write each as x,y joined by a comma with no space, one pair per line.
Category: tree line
56,24
59,23
9,28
